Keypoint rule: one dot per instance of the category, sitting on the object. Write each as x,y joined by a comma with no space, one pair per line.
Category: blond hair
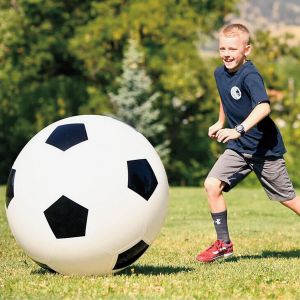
236,30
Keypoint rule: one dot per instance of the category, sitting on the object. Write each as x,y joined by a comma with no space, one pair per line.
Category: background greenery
62,58
266,264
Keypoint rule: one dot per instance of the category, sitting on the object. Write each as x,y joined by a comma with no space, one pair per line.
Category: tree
60,58
168,32
134,103
40,80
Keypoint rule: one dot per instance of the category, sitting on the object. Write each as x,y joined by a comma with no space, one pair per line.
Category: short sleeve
254,85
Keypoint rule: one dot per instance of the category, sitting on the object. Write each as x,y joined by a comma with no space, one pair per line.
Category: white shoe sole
225,256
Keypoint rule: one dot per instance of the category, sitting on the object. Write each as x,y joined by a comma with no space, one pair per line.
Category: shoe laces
217,245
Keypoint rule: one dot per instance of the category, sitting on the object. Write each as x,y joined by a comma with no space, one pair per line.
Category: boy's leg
275,179
293,204
229,170
226,173
217,205
222,247
214,190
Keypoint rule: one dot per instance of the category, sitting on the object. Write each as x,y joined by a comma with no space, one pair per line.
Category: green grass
266,264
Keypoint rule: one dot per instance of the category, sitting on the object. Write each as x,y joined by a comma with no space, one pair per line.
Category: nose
226,53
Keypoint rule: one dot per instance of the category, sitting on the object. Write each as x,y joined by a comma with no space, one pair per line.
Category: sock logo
218,221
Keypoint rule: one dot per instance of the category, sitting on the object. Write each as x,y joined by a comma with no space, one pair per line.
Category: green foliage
168,32
61,58
134,103
268,52
40,80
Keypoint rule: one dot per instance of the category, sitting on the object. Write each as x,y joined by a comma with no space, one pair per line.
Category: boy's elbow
268,109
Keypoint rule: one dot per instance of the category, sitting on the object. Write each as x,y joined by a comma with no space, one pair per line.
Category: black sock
220,222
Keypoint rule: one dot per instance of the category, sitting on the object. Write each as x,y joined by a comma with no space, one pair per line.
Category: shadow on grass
268,254
42,271
131,270
153,270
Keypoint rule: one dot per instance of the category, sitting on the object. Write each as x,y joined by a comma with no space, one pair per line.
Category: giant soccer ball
87,195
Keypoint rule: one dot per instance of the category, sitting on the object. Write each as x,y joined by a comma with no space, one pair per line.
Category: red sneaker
217,250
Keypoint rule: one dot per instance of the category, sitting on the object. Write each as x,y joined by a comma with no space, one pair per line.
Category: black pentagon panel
66,218
10,187
66,136
131,255
141,178
44,266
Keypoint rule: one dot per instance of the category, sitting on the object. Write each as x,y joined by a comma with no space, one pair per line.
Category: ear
248,49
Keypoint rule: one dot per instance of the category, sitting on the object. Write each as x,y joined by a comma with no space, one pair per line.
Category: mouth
227,60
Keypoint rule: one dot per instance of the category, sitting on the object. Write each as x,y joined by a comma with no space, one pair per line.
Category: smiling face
234,50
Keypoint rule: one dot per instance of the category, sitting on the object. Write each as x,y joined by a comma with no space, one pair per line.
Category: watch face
240,128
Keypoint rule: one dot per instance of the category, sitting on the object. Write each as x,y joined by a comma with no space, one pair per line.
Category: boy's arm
212,131
222,117
258,113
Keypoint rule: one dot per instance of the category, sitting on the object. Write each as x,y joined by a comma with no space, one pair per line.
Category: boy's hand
226,134
213,130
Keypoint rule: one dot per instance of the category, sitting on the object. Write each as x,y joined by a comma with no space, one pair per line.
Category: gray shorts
232,167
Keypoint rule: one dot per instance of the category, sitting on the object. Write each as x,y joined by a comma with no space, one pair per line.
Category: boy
254,143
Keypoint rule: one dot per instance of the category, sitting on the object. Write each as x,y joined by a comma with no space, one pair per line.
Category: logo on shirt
236,93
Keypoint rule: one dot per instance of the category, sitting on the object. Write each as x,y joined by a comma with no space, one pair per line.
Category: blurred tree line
130,59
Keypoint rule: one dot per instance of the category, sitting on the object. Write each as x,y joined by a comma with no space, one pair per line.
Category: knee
213,187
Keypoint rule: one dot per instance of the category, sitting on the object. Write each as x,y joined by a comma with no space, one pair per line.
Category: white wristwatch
240,129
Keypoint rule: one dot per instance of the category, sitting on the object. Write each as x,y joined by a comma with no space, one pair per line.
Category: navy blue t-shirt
240,92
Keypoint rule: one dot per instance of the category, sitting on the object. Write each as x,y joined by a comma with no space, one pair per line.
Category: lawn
266,264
